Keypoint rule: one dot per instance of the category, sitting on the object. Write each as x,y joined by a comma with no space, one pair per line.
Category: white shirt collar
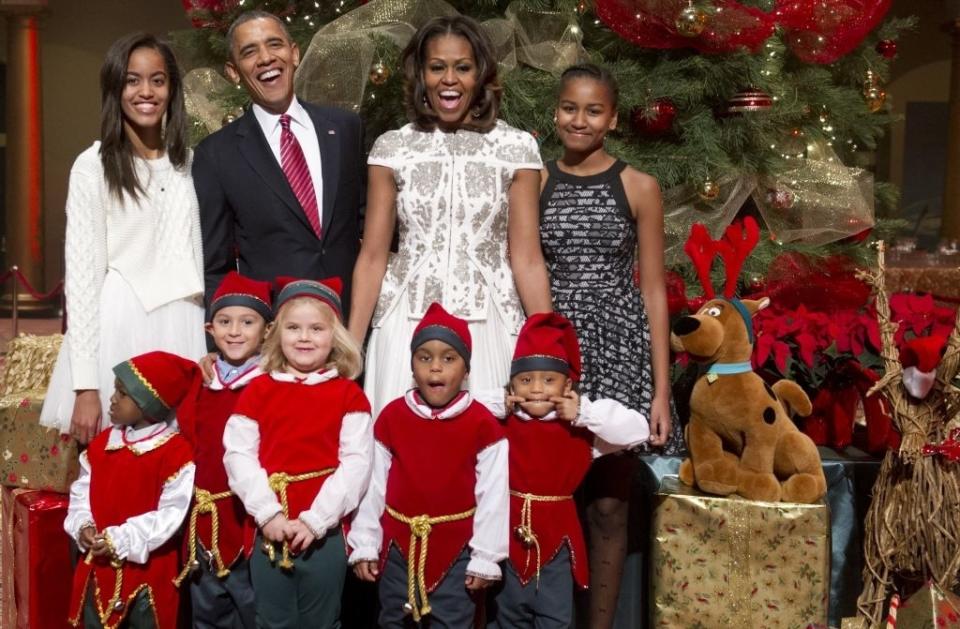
217,384
143,440
522,414
310,379
456,406
270,122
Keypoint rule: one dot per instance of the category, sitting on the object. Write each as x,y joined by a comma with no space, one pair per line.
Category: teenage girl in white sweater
134,279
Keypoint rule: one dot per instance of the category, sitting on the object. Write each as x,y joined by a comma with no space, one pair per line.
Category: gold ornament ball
875,97
379,73
709,190
582,7
691,21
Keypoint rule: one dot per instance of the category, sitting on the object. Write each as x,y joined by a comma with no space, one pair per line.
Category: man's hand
207,366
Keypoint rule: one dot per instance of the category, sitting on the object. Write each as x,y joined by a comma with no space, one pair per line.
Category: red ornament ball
887,48
654,119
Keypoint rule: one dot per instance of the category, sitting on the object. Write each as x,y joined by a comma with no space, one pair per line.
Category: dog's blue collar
729,369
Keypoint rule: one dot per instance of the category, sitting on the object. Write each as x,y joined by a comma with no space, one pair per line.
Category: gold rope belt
278,484
525,530
205,502
115,604
420,527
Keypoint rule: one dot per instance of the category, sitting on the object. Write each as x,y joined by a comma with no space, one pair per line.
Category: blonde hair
345,354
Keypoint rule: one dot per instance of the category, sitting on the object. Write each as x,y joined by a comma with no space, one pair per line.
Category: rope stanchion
15,274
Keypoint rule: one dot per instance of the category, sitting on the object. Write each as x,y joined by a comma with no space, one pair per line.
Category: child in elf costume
554,435
221,594
434,524
298,452
133,493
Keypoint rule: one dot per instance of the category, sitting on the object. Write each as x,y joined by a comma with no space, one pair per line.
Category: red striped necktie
295,168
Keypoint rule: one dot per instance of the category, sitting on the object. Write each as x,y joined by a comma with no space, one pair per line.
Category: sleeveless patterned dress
589,240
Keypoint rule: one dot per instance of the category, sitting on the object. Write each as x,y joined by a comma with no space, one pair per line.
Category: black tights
605,495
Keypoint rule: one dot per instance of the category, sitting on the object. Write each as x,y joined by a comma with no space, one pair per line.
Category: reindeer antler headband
738,240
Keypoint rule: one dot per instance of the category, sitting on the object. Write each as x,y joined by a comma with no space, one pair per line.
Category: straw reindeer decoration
740,436
913,525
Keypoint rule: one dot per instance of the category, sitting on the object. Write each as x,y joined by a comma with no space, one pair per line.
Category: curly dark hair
486,100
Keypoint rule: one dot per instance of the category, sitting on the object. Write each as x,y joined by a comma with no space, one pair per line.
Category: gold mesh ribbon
278,484
29,363
204,503
202,88
525,530
820,201
335,67
420,527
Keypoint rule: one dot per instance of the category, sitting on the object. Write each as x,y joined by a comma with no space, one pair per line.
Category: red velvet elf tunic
123,479
299,424
433,471
202,423
547,458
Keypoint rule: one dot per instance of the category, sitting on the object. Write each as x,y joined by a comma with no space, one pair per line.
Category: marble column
950,222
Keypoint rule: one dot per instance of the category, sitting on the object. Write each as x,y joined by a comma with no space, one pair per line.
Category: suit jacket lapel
329,164
254,148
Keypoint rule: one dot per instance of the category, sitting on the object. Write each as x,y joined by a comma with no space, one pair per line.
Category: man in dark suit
282,188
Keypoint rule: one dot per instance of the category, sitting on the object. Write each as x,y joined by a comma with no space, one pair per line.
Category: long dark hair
486,100
116,153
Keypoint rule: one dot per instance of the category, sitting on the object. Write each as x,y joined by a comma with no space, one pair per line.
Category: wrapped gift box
930,607
29,363
730,562
34,456
43,569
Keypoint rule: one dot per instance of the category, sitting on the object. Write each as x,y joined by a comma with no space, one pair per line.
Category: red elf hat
547,342
239,290
438,324
326,290
158,381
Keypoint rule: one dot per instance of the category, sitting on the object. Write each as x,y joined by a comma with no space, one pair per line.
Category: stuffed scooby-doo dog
740,436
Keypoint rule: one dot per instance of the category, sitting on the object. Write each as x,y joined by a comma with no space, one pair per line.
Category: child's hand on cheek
567,405
513,400
275,529
475,584
299,535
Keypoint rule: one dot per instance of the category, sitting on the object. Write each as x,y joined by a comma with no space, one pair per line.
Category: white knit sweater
154,243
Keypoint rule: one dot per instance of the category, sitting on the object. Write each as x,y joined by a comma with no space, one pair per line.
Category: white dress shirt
302,127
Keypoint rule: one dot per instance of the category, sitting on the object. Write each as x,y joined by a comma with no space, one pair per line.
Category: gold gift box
34,456
720,562
29,363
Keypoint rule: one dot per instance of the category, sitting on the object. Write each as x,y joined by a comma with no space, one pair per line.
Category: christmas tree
767,107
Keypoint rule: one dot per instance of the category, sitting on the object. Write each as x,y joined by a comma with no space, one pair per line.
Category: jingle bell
194,565
118,606
407,608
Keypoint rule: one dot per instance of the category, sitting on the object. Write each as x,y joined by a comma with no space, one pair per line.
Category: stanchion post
16,298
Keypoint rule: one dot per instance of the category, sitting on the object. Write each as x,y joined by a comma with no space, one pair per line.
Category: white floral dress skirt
452,213
126,331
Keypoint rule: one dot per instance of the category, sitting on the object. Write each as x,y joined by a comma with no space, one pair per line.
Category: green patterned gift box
33,456
729,562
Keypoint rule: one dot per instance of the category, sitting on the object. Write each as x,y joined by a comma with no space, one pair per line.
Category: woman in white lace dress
462,188
134,279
